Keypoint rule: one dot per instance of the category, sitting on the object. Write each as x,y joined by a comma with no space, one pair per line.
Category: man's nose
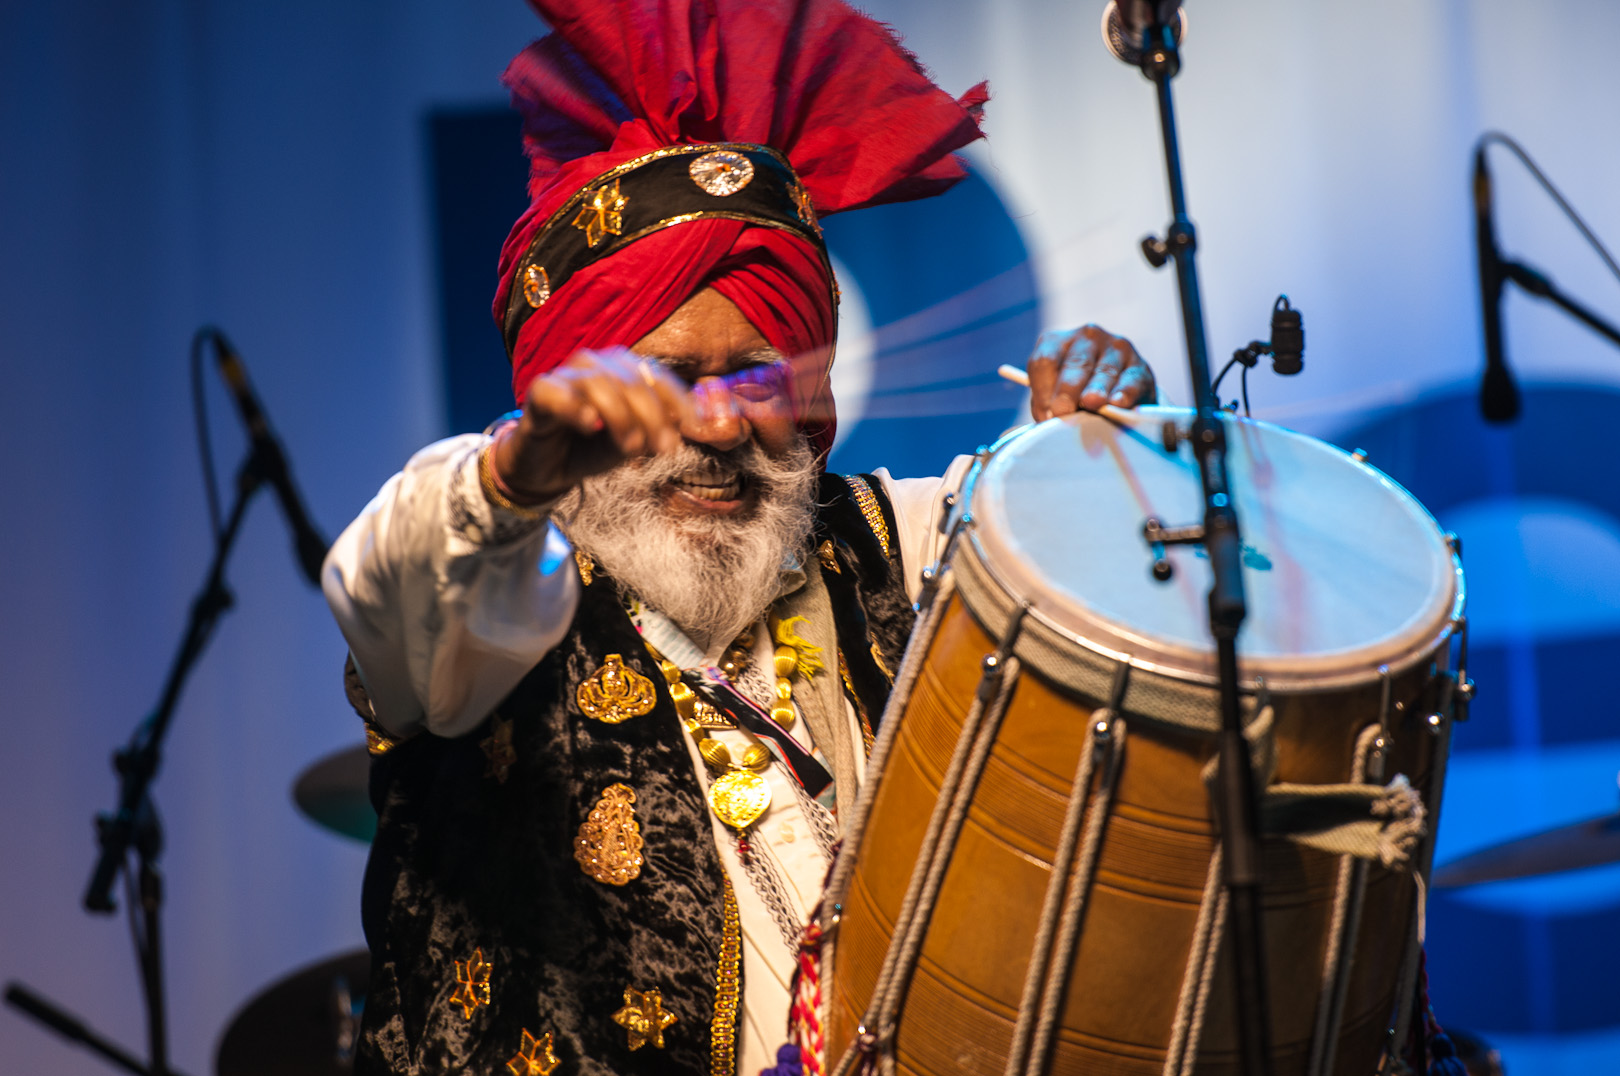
717,419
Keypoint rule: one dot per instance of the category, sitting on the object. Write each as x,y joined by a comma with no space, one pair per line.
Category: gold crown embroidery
614,693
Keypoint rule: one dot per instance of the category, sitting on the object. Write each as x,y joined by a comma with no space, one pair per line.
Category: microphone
271,462
1124,22
1287,338
1498,395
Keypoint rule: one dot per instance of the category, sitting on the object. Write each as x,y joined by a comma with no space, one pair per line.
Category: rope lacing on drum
1346,918
1063,907
838,879
876,1039
905,681
1192,1002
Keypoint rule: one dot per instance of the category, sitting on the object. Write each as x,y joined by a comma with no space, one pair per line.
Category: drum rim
1415,651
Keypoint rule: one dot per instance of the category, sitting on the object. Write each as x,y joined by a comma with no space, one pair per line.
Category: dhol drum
1058,705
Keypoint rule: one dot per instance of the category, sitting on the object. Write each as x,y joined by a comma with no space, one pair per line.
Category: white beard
712,575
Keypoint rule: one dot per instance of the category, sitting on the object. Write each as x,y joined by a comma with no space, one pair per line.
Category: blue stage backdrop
332,182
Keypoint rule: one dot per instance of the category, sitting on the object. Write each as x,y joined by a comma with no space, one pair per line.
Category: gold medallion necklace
739,793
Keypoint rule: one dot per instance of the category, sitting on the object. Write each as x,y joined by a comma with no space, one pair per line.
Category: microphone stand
134,824
1239,821
1537,284
73,1029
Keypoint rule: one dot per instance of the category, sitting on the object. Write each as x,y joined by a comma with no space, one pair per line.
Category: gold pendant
614,693
608,847
738,797
708,717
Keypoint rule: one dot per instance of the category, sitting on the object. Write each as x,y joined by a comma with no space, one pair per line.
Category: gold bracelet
492,489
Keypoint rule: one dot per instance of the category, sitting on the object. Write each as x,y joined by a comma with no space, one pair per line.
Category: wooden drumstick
1013,374
1021,377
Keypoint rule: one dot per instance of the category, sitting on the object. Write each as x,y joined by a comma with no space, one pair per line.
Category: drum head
1343,569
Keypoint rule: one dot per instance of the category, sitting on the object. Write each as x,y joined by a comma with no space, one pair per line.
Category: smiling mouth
715,489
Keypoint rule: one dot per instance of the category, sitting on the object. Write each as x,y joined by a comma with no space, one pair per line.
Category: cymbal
333,793
1585,844
304,1025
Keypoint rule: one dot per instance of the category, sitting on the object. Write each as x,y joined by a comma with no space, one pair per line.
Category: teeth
710,489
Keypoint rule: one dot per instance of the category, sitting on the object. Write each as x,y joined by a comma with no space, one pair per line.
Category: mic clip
1180,239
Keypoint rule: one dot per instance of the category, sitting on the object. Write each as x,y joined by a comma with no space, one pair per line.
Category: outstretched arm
446,600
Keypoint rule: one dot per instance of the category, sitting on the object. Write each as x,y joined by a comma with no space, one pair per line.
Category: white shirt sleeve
919,506
447,601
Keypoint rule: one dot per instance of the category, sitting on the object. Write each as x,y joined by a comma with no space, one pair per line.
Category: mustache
696,460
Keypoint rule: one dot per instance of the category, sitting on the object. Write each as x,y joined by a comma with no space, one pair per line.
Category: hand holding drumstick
1083,369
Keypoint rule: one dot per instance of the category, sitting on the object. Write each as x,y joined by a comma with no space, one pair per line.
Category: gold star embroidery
535,1058
644,1017
497,746
602,214
587,566
377,743
807,209
473,977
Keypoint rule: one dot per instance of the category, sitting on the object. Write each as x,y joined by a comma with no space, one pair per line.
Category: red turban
852,111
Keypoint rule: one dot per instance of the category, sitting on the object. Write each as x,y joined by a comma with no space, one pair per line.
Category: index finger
673,394
1045,363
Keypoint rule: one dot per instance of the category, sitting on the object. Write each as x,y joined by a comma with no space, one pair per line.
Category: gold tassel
809,662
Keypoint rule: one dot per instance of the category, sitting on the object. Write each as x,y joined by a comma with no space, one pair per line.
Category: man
621,658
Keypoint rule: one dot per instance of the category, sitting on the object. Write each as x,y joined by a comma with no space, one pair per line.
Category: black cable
199,410
1244,381
1216,387
1518,151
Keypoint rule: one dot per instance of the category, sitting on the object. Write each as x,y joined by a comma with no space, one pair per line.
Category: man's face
701,533
739,389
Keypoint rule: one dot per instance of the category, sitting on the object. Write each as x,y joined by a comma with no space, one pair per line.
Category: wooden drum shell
1139,924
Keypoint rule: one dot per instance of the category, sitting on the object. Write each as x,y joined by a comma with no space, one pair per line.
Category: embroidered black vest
492,948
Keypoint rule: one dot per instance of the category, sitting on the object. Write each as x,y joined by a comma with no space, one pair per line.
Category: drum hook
1157,536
